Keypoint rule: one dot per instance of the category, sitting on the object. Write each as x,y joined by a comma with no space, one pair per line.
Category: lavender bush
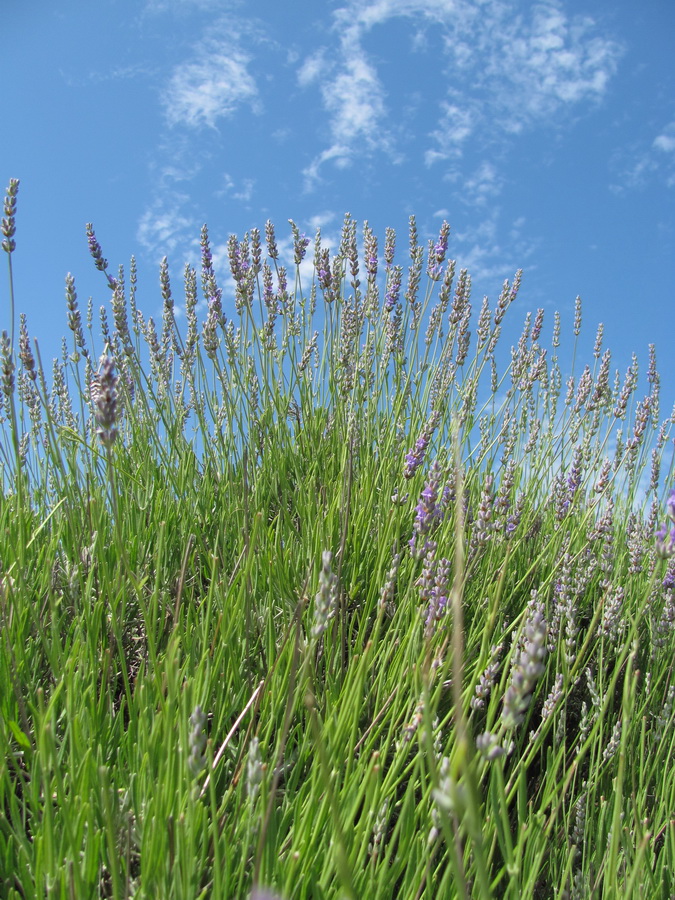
326,594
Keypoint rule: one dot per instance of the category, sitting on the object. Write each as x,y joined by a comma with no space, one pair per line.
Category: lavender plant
421,578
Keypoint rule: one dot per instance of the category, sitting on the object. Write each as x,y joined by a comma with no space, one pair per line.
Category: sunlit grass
314,596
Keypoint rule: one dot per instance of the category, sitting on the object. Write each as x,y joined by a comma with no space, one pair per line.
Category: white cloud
550,62
164,226
355,101
353,98
242,191
666,140
512,72
322,219
489,260
337,152
638,164
482,185
210,87
508,67
180,6
312,68
454,127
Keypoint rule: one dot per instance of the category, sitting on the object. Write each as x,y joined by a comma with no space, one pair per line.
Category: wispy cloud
242,191
163,226
664,147
482,185
354,101
455,125
645,161
519,71
181,6
211,86
666,140
314,68
506,71
493,249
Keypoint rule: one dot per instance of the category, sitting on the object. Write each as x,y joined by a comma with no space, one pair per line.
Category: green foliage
223,664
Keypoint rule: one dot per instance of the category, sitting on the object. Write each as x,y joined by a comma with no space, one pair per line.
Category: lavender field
329,592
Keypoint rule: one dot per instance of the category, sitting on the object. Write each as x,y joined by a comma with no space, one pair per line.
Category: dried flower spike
325,601
197,742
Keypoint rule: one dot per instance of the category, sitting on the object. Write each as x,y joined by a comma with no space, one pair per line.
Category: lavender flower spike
527,668
415,457
427,512
197,742
8,225
665,542
665,539
104,395
670,506
325,601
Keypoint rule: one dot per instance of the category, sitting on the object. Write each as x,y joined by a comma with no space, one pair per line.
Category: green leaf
21,738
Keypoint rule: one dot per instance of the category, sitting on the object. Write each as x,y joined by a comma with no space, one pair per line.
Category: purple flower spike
95,249
437,253
665,539
427,512
665,542
393,287
415,457
438,598
300,243
670,506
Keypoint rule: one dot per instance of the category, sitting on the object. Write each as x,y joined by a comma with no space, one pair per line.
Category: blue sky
543,132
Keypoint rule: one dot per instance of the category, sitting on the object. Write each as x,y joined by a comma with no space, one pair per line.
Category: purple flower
415,457
239,259
442,242
300,242
665,539
665,542
484,524
271,240
95,249
370,251
528,666
428,513
104,395
282,287
437,253
211,290
268,289
325,275
574,477
670,506
438,598
8,224
393,287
